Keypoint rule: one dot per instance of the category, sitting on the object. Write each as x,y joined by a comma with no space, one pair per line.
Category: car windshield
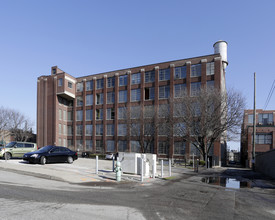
44,149
11,144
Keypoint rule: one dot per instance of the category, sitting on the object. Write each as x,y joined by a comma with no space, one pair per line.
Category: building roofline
126,69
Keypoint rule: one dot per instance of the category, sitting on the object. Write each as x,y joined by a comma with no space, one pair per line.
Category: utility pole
254,125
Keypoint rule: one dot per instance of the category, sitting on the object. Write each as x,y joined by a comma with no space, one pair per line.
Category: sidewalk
81,171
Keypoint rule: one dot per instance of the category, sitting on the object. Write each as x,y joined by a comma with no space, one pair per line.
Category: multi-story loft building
85,113
265,134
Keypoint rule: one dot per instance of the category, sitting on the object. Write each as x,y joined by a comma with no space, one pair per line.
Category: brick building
265,134
85,112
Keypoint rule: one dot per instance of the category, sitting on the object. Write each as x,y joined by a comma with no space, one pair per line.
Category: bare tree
143,123
207,117
16,124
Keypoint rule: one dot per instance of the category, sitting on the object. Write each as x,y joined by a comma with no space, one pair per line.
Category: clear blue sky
85,37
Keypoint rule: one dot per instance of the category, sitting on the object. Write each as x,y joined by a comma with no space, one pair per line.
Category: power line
270,94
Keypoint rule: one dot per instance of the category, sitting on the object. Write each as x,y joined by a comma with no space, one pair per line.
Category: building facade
85,113
265,134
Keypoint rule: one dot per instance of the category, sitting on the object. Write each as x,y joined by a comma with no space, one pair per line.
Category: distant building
265,134
85,113
6,137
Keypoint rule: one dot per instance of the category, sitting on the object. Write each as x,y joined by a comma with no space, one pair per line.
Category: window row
263,119
149,76
149,94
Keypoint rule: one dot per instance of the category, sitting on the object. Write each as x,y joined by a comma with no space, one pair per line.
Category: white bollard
161,168
153,169
96,164
170,167
141,175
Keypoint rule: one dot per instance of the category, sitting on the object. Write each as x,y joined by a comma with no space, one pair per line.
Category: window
70,85
79,101
179,129
110,129
99,129
70,116
135,112
150,76
64,115
164,92
79,87
149,111
89,130
99,114
110,113
180,72
250,119
122,146
210,85
69,130
210,68
263,138
89,145
163,147
179,148
135,129
123,80
122,113
60,128
60,82
60,114
265,119
79,130
122,96
79,115
70,143
64,129
89,115
110,97
79,144
163,129
164,74
111,82
99,83
135,147
135,95
196,70
99,98
179,109
179,90
195,88
149,93
99,146
89,85
110,146
89,100
164,110
122,129
135,78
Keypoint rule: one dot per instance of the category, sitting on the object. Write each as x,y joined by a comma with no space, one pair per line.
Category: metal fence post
161,168
170,167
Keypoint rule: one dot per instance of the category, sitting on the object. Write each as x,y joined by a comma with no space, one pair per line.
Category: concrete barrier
265,163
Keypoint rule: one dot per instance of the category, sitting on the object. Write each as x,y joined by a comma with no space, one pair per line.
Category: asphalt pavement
82,170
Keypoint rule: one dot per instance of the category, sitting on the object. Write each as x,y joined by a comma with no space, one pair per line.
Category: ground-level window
179,148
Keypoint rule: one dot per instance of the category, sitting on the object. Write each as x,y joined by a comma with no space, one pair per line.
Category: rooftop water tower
221,48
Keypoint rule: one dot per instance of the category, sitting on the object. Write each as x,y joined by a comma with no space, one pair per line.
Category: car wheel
70,159
43,160
7,155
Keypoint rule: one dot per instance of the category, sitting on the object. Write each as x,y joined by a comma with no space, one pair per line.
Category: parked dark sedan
51,154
